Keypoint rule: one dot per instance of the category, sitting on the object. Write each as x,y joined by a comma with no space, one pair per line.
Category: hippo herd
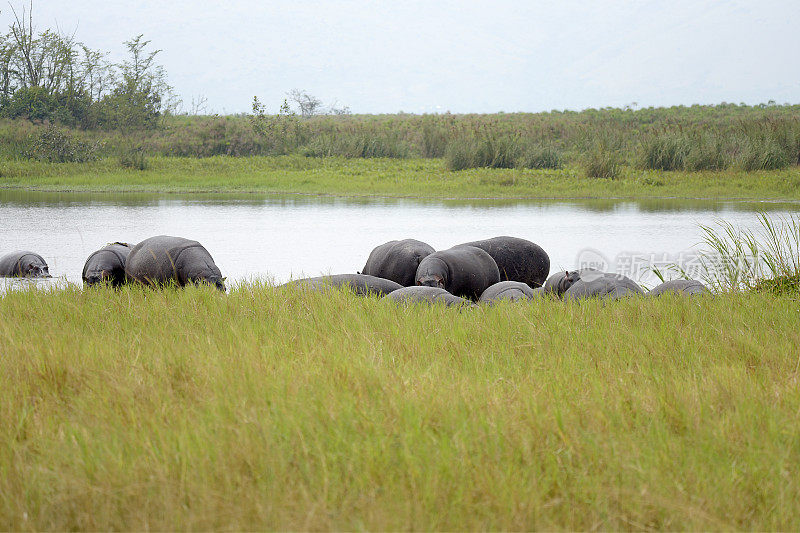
487,271
501,268
155,261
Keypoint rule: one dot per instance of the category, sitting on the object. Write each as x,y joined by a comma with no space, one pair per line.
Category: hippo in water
602,285
163,259
686,287
360,284
517,259
431,295
397,260
107,265
23,265
507,290
464,271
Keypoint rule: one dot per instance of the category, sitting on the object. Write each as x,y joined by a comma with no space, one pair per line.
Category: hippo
361,284
107,264
23,265
432,295
164,259
507,290
517,259
397,260
687,287
602,285
560,282
464,271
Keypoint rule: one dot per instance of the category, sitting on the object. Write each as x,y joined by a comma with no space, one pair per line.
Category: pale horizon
459,57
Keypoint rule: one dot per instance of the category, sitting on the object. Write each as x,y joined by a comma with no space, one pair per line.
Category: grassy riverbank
389,177
259,410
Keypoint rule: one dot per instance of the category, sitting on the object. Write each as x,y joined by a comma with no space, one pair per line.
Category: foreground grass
268,410
389,177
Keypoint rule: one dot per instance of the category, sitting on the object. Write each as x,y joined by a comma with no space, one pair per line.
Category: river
278,237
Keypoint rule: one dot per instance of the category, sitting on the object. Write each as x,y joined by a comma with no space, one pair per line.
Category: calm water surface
282,237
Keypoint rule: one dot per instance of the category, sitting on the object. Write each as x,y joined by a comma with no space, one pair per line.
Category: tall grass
267,409
678,138
738,258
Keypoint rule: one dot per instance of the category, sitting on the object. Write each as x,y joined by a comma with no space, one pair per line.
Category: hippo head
34,269
568,281
431,280
102,275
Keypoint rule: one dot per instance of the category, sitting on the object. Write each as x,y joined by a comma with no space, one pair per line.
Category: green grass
269,409
389,177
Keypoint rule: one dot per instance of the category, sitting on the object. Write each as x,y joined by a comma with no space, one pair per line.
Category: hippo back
431,295
517,259
687,287
14,264
165,259
397,260
606,285
507,290
360,284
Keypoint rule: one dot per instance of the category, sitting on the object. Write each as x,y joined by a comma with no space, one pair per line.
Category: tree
141,95
309,105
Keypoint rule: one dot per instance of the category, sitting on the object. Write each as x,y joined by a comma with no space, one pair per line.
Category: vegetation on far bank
427,178
263,409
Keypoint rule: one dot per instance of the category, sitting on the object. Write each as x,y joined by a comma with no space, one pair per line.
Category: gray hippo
163,260
431,295
464,271
23,265
107,265
687,287
361,284
560,282
517,259
602,285
397,260
507,290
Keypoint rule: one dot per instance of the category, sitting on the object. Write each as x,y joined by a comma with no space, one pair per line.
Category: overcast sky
468,56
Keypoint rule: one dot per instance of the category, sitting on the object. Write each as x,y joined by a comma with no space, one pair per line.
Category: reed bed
275,409
726,136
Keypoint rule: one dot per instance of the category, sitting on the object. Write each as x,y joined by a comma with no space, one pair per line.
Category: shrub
667,151
762,154
482,151
460,154
56,146
541,157
134,158
707,152
602,162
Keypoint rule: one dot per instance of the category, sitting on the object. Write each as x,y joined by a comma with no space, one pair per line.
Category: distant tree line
49,76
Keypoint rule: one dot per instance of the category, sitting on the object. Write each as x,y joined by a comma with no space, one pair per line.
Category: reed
736,258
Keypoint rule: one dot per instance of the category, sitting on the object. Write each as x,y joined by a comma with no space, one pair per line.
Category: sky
438,56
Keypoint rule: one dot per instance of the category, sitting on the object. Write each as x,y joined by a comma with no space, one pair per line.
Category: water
282,237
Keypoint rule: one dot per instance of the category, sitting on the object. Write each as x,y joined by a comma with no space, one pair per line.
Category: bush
56,146
541,157
762,154
134,159
483,151
667,151
707,152
460,154
602,162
